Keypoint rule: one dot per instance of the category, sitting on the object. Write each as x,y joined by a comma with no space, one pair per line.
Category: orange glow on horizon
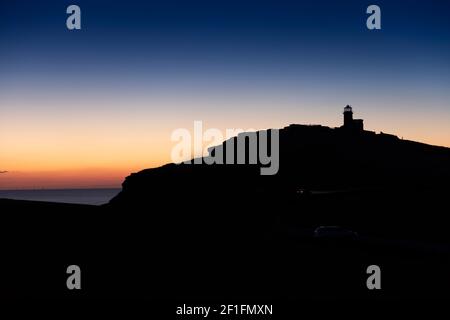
95,148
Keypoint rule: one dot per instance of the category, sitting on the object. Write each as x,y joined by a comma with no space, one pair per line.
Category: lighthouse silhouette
350,124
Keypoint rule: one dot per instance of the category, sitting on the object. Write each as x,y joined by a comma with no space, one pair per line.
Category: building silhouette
350,124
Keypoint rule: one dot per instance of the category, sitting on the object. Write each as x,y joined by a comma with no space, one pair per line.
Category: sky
85,108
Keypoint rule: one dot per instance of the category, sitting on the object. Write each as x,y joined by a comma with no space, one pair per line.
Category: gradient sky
85,108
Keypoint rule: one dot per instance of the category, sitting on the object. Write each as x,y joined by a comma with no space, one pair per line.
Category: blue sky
144,68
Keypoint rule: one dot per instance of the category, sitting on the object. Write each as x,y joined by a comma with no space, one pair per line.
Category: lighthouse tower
348,117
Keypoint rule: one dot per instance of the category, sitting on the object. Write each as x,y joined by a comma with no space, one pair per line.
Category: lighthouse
348,116
350,124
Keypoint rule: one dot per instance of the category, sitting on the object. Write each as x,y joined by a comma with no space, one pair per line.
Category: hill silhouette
313,158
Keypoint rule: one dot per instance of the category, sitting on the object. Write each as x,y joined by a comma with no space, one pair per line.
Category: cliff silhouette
311,158
368,182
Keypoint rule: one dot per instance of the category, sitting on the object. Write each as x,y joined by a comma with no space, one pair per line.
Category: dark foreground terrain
166,254
226,233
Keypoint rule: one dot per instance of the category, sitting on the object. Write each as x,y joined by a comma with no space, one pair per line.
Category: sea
75,196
